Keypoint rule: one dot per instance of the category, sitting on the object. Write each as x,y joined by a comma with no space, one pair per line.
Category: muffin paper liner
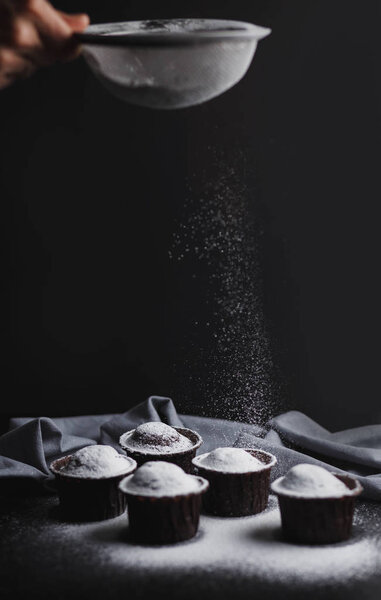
87,499
238,494
183,459
165,520
319,520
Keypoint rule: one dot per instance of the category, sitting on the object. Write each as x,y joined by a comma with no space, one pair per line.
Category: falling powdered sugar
96,461
230,460
227,368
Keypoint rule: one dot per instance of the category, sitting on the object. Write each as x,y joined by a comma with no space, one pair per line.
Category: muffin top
159,479
97,462
229,460
310,481
155,438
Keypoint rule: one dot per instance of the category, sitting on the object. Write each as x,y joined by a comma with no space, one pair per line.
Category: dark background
93,313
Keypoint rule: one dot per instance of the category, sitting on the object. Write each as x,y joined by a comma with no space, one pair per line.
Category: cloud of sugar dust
227,367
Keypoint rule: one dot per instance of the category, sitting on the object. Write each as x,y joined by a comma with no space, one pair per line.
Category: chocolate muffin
158,441
87,483
163,503
316,505
239,480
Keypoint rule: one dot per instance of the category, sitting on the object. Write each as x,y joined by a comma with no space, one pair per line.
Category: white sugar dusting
230,460
229,365
234,555
229,558
158,479
97,461
310,481
156,438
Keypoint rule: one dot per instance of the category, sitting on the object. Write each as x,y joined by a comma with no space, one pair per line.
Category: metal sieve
173,63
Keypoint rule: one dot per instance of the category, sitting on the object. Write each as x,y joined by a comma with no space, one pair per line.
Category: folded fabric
31,444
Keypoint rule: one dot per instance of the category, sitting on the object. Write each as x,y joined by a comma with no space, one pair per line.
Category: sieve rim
228,31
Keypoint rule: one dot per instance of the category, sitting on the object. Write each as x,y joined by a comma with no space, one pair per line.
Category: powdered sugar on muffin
159,478
156,438
96,462
230,460
310,481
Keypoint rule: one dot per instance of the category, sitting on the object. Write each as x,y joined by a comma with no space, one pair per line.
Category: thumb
77,22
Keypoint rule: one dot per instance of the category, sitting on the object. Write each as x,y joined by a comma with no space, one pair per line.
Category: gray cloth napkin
31,444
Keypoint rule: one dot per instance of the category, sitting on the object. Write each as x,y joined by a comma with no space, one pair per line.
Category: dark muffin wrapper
237,494
164,520
89,499
319,520
183,458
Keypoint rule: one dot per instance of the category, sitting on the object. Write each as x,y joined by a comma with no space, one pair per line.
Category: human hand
34,34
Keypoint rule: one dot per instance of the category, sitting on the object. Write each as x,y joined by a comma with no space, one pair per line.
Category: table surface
43,557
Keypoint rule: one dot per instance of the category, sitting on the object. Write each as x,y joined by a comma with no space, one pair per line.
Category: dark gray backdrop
94,314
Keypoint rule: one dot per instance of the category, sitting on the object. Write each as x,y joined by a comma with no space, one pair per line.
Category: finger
27,42
38,32
25,35
49,23
77,22
29,45
55,31
39,13
13,66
